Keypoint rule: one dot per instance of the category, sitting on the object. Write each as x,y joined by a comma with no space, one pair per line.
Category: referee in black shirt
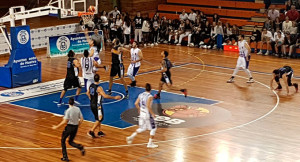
74,118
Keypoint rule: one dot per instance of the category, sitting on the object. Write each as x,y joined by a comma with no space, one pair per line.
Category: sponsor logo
23,36
181,115
185,111
63,43
12,94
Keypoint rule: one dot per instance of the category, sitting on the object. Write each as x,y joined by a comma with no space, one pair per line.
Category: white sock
133,135
150,141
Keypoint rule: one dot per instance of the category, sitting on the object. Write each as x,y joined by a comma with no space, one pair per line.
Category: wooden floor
258,130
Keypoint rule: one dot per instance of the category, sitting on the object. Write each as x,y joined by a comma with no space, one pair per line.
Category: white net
88,19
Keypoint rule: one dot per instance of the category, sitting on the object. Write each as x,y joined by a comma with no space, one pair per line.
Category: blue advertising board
22,68
61,45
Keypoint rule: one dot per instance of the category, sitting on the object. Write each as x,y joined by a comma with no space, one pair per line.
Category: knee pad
152,132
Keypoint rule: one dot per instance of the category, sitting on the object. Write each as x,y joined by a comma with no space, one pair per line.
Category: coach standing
74,118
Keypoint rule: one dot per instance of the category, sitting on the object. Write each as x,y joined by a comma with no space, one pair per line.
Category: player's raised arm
124,49
92,51
102,93
86,33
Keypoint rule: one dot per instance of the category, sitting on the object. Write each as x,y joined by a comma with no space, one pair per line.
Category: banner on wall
61,45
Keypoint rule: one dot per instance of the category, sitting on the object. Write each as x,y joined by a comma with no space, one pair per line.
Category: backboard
70,8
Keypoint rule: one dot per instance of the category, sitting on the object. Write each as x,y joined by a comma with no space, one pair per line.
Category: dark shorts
95,109
166,79
135,70
247,62
289,78
104,26
71,83
117,69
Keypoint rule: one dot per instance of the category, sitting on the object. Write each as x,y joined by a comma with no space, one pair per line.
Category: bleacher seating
239,13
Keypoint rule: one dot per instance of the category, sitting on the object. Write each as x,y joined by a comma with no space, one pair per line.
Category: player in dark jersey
72,79
166,65
95,94
117,66
286,73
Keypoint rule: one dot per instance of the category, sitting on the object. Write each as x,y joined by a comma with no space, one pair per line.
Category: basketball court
216,122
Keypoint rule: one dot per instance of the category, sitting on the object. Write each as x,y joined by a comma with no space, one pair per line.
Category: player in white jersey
243,60
93,52
136,58
146,117
87,65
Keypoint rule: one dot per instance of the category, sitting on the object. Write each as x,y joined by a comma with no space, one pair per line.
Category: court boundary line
176,139
143,73
252,71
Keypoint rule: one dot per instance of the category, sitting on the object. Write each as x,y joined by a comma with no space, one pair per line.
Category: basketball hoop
87,17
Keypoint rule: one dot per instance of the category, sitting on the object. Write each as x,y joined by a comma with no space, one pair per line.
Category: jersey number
138,21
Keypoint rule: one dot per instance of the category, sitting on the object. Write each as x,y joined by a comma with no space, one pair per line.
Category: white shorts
132,70
241,62
147,123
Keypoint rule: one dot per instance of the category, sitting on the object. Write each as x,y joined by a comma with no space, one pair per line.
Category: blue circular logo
12,94
63,43
23,36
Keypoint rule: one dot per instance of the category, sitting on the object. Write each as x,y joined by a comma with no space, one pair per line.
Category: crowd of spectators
278,34
153,31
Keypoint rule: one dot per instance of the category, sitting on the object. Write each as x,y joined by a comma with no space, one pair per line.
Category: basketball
92,9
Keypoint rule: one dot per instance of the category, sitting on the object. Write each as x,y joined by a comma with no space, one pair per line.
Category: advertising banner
61,45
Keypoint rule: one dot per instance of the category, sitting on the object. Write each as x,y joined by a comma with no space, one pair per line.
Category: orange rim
85,13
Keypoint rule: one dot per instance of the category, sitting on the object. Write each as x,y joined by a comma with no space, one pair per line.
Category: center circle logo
11,94
63,43
23,36
181,115
185,111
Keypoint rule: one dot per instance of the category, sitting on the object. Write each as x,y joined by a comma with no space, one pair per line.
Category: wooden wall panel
105,5
145,6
